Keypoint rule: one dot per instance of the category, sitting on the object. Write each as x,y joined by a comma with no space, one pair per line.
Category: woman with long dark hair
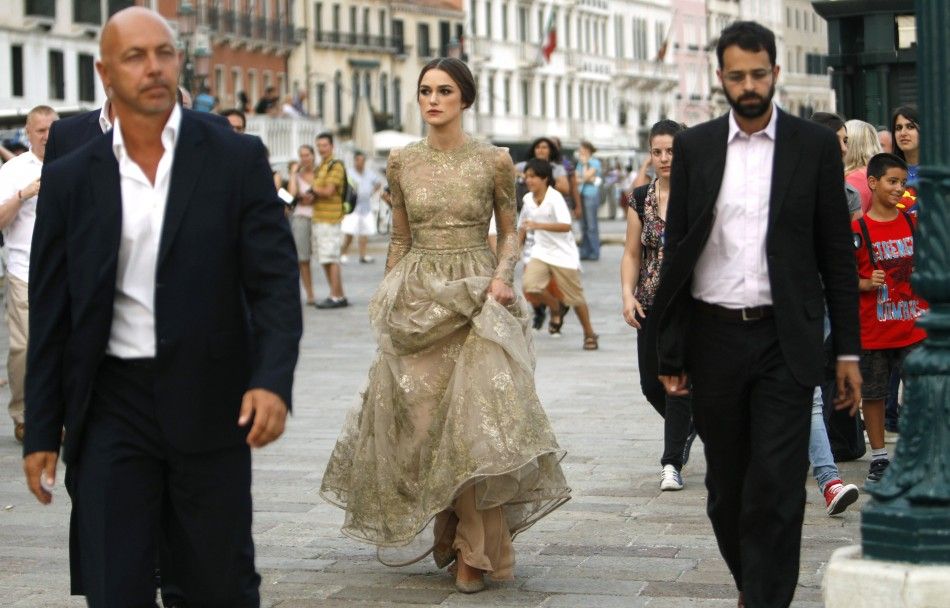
450,451
639,279
905,132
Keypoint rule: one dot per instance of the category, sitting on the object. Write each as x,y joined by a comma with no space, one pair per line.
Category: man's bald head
127,21
139,63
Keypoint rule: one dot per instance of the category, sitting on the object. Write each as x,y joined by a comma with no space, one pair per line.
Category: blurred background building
602,70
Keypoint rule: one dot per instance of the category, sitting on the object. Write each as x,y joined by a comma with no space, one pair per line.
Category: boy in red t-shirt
884,248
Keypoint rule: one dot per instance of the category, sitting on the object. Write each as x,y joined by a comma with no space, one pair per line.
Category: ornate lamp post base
853,582
896,531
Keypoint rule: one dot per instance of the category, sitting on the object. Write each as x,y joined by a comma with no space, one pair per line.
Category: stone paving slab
619,543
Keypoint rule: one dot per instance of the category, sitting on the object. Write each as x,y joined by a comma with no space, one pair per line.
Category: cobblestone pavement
619,543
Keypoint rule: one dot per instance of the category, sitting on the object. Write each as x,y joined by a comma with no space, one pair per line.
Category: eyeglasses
740,77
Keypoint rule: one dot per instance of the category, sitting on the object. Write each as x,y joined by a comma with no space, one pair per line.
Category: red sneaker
839,497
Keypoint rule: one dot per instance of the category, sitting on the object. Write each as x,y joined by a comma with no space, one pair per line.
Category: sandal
590,342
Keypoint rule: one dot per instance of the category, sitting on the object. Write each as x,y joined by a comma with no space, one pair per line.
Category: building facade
49,49
605,81
248,41
801,44
805,85
372,50
689,45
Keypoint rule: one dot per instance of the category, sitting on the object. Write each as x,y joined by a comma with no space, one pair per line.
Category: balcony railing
40,8
210,17
244,26
359,41
228,22
259,31
646,69
256,29
284,136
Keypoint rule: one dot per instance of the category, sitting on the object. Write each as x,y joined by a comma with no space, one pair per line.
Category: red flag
661,52
549,44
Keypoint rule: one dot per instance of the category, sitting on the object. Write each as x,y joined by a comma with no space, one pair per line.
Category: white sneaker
670,479
344,259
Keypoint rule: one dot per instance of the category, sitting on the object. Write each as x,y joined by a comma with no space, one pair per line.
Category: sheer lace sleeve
505,217
400,239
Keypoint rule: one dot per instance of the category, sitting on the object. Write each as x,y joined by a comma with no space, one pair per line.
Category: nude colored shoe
468,585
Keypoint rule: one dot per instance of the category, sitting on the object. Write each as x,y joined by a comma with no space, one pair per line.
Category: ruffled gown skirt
450,448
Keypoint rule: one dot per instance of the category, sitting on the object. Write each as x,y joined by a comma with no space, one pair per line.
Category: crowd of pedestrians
766,268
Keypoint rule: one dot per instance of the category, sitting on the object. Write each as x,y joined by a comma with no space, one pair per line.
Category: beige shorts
327,241
300,226
537,275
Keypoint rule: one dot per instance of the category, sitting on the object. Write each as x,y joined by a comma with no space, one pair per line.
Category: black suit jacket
67,134
227,305
809,246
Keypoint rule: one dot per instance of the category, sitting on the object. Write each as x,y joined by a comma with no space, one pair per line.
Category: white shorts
359,223
327,241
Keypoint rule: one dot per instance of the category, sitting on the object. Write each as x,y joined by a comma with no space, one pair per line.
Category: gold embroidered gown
450,448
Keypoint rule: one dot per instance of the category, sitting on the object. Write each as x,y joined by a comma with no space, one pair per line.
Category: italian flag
549,43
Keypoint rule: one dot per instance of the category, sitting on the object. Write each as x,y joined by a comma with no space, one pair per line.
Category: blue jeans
590,245
823,464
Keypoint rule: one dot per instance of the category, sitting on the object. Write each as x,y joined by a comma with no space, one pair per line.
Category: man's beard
752,111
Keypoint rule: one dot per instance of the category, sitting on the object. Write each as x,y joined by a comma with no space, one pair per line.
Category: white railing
283,136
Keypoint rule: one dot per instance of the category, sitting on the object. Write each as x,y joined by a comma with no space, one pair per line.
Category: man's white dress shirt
16,174
104,123
143,211
732,270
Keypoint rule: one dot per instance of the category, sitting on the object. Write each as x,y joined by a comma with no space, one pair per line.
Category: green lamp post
909,518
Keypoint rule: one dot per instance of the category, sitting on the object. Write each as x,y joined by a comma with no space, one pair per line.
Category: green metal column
909,518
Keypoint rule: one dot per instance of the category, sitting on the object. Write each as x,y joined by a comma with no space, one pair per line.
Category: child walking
554,253
884,240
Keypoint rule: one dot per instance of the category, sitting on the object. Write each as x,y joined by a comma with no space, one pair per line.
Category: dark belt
755,313
147,363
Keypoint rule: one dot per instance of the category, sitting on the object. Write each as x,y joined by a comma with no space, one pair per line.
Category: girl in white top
554,253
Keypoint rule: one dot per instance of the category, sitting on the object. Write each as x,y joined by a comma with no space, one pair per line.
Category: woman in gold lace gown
450,450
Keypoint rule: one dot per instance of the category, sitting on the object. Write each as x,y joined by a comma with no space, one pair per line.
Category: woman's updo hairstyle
457,71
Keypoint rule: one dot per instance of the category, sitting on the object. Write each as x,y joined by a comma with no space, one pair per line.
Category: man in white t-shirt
19,187
360,223
554,253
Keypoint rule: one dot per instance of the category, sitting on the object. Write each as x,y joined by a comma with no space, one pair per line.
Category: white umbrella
389,139
363,127
413,121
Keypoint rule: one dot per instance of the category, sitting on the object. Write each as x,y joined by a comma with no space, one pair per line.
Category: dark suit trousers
130,489
754,420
